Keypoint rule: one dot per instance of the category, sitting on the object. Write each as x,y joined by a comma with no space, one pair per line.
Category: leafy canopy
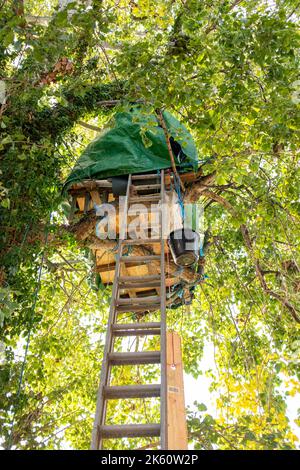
229,71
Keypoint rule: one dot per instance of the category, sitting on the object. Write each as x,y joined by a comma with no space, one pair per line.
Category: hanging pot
185,246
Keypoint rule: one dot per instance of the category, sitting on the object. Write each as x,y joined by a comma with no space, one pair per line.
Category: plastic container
185,246
119,185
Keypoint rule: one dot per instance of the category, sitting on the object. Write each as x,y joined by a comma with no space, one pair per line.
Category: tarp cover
135,143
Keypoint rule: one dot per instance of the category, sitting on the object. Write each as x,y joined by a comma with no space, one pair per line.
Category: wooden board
176,416
95,196
97,187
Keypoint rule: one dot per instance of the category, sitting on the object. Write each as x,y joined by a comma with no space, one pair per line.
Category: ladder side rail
163,346
106,369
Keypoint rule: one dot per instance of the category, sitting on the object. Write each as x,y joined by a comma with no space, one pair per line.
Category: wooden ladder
119,305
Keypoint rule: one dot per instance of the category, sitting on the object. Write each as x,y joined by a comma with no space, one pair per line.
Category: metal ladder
106,392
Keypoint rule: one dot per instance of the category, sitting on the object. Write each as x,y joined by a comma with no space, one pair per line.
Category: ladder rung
140,285
145,177
145,198
135,326
139,259
124,333
141,241
136,329
130,430
146,187
131,391
155,299
138,308
150,210
134,358
150,277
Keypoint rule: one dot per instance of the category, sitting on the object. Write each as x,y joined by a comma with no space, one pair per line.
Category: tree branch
258,269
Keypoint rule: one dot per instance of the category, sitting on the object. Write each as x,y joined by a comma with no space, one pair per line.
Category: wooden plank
134,358
153,277
80,202
185,177
177,428
141,285
141,241
137,308
106,184
135,326
146,187
130,430
108,267
131,391
91,184
145,198
145,177
105,257
140,259
96,197
139,300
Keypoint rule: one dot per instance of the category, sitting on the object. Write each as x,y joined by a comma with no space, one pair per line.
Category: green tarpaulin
135,143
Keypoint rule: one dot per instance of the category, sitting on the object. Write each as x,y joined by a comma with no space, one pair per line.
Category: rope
21,377
129,250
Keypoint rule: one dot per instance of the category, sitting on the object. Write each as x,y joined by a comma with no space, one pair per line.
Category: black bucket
119,185
185,246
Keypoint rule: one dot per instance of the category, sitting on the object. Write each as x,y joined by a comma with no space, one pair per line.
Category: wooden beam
189,177
96,197
177,427
81,202
102,268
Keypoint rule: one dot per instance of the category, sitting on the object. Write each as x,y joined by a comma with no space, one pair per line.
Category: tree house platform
143,277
